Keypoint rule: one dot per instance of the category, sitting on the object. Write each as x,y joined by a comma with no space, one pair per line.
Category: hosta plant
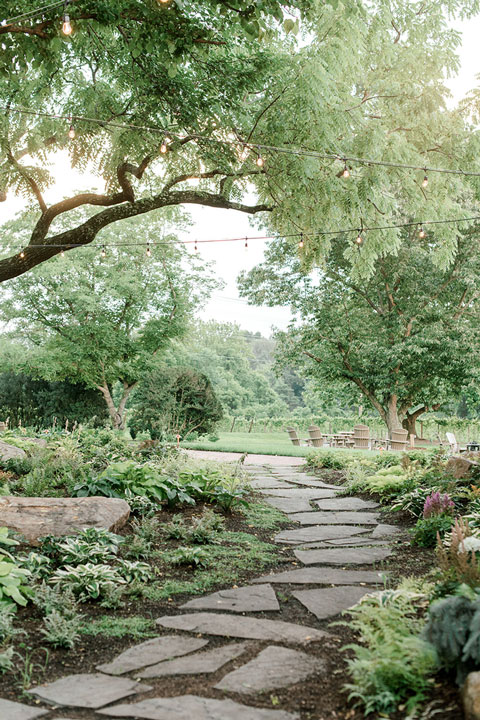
40,566
88,581
187,556
135,571
13,583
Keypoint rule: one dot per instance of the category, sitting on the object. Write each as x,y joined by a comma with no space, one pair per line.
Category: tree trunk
392,419
408,423
117,415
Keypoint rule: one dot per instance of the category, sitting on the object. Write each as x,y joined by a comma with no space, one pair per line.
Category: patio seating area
357,439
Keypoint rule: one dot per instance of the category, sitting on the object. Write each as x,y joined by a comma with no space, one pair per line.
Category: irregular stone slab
308,482
343,556
335,518
192,707
289,505
16,711
8,452
327,602
317,533
345,542
346,503
35,517
151,652
243,627
382,531
298,492
244,599
87,691
205,662
268,483
324,576
275,667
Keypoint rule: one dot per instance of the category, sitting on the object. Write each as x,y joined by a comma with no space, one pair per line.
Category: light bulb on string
346,171
425,179
246,243
62,253
67,25
260,161
71,132
149,252
359,238
300,244
22,254
164,146
104,252
421,232
195,246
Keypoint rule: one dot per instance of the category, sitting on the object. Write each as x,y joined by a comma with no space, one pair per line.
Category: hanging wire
32,13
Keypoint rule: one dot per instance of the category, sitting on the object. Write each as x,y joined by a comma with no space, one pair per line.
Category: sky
209,223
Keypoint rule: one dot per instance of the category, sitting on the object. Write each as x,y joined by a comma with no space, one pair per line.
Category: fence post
251,425
233,424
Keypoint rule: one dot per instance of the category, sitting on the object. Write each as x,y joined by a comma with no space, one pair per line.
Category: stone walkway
234,636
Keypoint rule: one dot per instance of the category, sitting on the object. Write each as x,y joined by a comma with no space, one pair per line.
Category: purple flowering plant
436,504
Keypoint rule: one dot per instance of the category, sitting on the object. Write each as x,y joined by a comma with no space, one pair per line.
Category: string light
149,252
62,253
71,132
421,232
359,238
425,178
300,243
22,254
196,246
346,171
67,26
246,243
164,146
260,161
104,252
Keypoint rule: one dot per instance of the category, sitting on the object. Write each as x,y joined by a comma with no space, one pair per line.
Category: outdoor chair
316,438
399,440
454,445
292,433
361,437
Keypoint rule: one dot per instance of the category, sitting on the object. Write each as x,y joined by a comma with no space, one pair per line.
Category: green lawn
275,443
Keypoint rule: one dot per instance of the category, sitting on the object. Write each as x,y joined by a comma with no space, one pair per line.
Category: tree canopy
407,338
361,80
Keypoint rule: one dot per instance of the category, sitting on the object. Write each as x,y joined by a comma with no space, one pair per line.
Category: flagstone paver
335,518
346,503
275,667
289,505
268,483
243,627
317,533
308,482
357,541
298,492
191,707
17,711
343,556
151,652
382,531
327,602
87,691
323,576
204,662
259,598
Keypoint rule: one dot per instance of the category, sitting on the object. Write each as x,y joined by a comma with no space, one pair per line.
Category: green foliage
174,401
135,571
60,631
183,555
14,588
393,665
426,530
51,599
453,628
261,515
87,581
134,626
38,565
202,530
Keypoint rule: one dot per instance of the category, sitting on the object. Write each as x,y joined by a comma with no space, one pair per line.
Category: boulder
7,452
35,517
471,696
461,466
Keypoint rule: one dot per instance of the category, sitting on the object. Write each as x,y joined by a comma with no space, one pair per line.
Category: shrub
394,664
60,631
436,504
427,530
187,556
88,581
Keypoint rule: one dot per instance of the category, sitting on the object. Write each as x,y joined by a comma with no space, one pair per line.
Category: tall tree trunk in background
391,418
117,415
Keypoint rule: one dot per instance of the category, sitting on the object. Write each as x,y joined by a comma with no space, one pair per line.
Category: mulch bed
320,698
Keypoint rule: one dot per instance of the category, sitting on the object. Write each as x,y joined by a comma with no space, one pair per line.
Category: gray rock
15,711
471,696
343,556
151,652
335,518
327,602
266,483
275,667
358,541
323,576
298,492
87,691
258,598
382,531
9,452
191,707
346,503
199,663
35,517
318,533
242,627
308,482
289,505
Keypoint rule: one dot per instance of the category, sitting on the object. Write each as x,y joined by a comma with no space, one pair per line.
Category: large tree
407,337
366,80
103,321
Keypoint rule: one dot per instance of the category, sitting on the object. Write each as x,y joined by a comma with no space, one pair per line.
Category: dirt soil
320,698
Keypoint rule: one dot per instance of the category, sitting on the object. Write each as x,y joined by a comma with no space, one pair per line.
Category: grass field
274,443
